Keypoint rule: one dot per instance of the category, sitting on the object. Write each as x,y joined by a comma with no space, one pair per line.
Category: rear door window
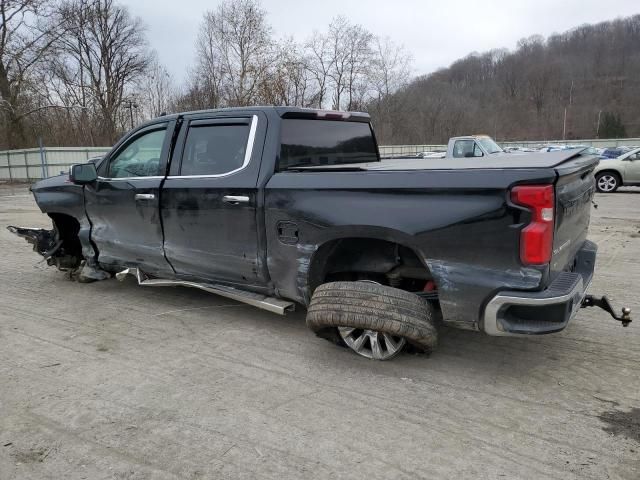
307,143
215,148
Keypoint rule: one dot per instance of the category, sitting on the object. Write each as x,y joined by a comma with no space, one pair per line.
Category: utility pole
564,123
131,106
598,127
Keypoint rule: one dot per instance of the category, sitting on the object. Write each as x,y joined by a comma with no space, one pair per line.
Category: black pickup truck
283,206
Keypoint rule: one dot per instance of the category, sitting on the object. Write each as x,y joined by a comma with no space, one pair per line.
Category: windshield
489,145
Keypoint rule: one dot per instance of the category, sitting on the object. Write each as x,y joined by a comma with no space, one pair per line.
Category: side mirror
83,173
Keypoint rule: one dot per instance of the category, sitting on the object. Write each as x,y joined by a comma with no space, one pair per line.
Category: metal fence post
9,166
26,165
43,160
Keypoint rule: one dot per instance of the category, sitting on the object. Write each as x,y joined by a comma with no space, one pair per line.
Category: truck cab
472,146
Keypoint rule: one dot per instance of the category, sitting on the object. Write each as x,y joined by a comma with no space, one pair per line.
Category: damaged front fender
48,244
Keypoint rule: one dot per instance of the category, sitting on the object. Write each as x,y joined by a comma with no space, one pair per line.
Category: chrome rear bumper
512,313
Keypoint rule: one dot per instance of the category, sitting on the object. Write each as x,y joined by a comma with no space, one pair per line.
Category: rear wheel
371,343
374,320
607,182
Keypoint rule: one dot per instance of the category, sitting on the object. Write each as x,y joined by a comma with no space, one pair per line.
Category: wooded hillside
82,73
592,70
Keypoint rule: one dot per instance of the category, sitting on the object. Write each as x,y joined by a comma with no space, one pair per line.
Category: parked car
519,150
587,150
282,206
613,152
433,154
613,173
552,148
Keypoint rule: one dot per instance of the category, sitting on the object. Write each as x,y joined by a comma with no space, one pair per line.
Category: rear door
210,202
123,204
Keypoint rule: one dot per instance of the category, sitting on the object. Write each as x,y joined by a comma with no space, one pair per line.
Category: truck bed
497,161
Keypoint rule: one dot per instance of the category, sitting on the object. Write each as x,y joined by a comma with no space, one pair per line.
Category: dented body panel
461,227
280,233
58,196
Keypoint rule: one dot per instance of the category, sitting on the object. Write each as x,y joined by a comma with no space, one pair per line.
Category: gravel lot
112,380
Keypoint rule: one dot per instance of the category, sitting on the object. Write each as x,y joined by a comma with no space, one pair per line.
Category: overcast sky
435,32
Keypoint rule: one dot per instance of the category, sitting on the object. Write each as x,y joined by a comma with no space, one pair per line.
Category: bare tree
234,48
26,37
209,74
348,49
390,67
104,54
156,89
289,81
338,32
359,65
319,59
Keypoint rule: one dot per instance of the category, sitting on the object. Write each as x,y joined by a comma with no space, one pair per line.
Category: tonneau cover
496,161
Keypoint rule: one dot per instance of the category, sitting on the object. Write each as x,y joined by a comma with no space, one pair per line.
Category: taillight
536,239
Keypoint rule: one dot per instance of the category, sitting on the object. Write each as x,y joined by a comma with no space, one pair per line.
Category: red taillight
536,239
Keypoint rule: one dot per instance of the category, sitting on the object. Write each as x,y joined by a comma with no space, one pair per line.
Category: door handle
235,199
144,196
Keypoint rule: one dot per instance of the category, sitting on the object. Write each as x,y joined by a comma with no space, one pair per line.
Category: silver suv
612,173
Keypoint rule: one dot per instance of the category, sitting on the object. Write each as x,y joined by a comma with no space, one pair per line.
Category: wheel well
68,228
365,258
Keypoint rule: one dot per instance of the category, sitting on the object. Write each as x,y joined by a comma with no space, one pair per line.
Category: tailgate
574,191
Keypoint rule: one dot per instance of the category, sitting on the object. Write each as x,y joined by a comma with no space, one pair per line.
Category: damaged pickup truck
283,206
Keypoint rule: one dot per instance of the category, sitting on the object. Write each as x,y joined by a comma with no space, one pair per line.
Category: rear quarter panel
459,223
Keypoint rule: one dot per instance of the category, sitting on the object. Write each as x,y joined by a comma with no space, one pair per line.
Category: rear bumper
535,313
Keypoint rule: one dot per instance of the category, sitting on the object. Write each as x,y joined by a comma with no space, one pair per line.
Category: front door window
140,158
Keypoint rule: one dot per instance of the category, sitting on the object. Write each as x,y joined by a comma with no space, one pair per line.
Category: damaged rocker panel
270,304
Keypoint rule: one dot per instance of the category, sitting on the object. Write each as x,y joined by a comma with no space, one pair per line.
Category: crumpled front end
51,245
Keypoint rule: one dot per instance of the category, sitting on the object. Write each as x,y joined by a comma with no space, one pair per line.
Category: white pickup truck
472,146
466,147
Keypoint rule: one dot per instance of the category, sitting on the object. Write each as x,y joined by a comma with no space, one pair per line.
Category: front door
209,200
123,205
632,168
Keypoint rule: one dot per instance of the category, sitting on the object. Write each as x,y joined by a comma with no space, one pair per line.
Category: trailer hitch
605,304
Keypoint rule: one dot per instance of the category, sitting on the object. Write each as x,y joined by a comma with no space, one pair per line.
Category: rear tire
370,308
607,182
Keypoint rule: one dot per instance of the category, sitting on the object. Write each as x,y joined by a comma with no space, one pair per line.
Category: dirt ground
114,381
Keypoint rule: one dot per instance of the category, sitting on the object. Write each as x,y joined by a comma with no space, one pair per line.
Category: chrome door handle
144,196
235,199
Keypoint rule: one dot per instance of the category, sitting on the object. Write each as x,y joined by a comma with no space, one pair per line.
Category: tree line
584,83
81,72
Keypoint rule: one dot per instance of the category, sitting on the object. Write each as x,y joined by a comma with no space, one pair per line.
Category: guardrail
36,163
